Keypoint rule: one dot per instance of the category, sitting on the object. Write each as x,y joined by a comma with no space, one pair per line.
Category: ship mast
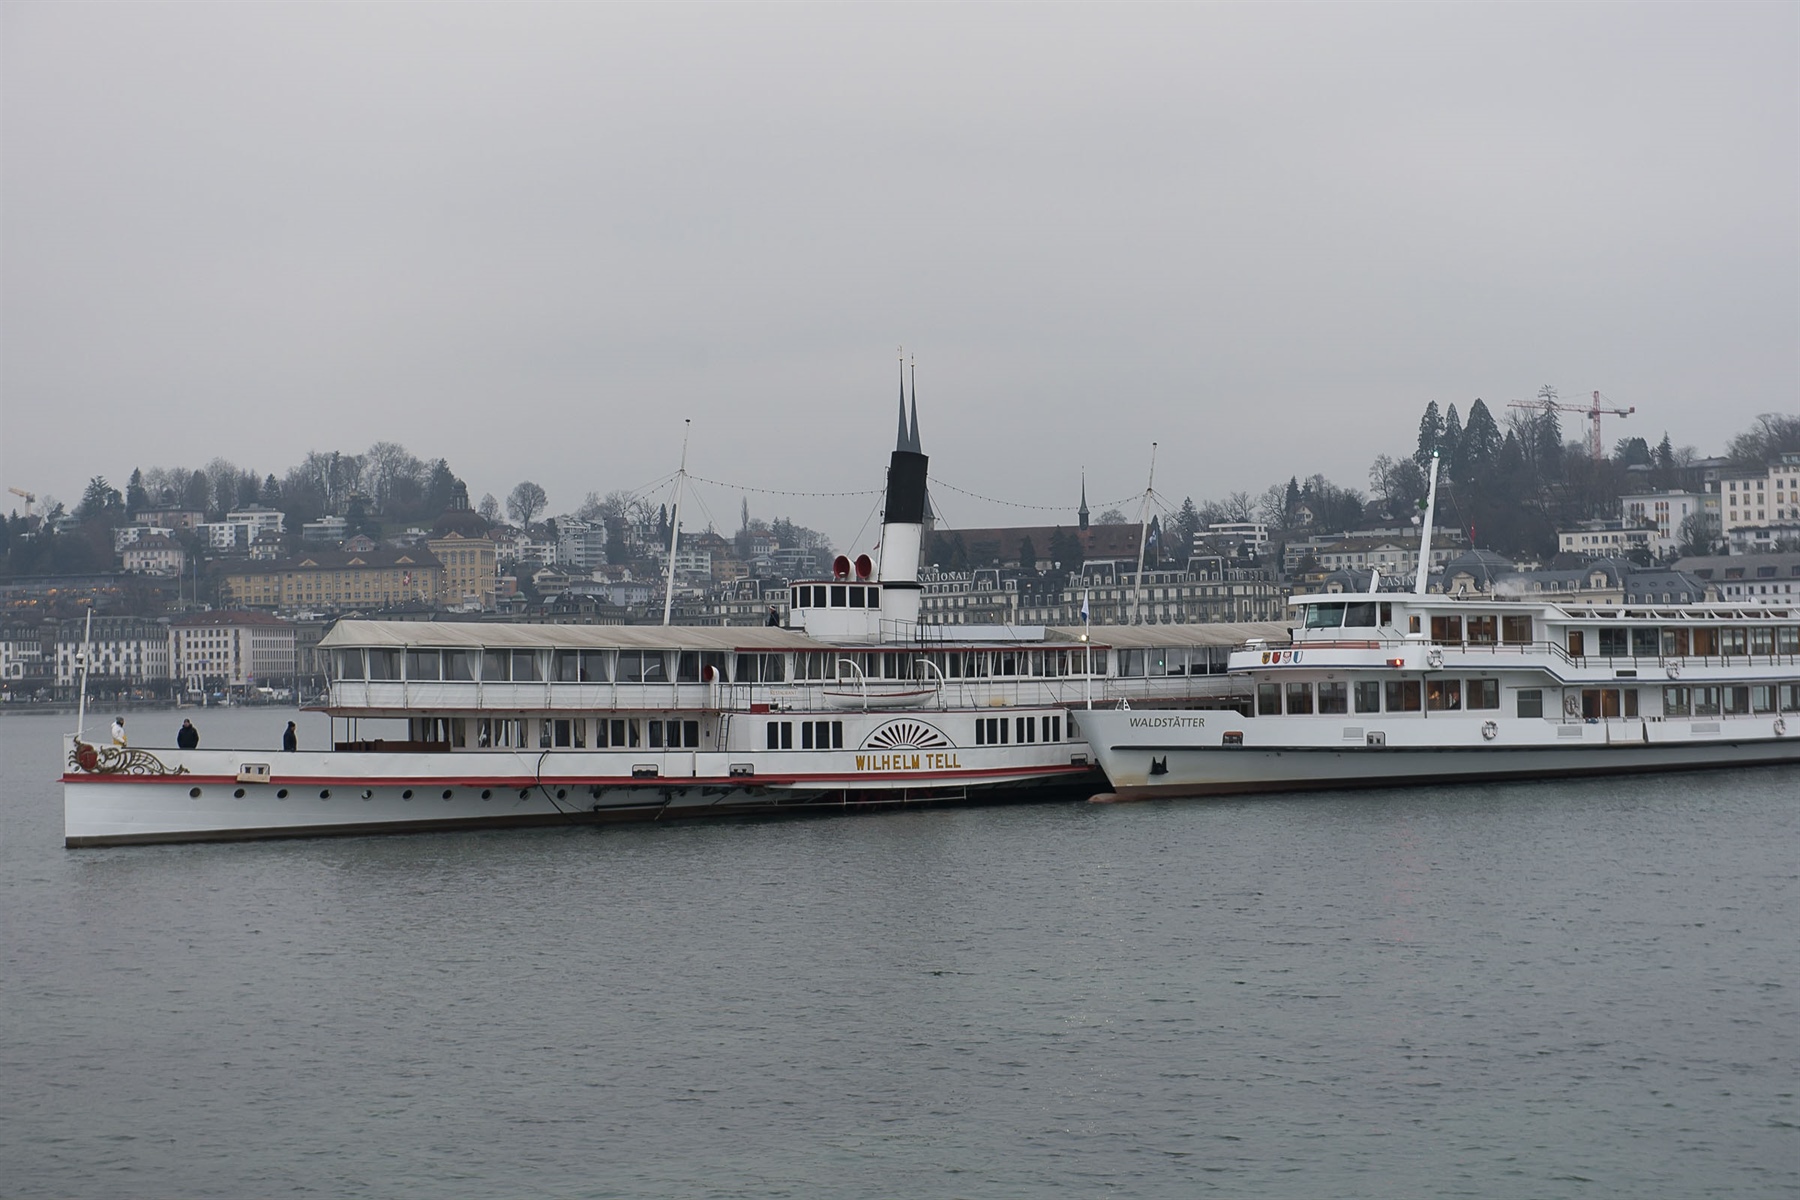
1425,530
1137,591
675,523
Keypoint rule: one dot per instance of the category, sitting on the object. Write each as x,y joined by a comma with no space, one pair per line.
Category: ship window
1334,698
1706,641
496,666
1483,630
1531,702
1762,640
1268,699
1787,640
1515,630
1631,701
1360,615
1706,701
543,734
565,735
1577,643
349,664
1675,643
1645,642
1403,695
1446,629
1737,701
1131,664
1299,697
837,596
423,665
1614,643
1482,693
656,735
1733,641
1444,695
1324,616
384,664
1412,623
1368,696
1027,730
459,665
525,666
1053,729
781,735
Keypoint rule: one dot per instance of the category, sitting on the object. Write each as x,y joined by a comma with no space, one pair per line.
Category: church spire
1084,507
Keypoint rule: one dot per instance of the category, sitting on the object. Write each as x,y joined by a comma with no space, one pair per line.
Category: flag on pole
1084,606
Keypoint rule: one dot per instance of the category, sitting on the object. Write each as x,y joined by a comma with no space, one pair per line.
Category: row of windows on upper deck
1356,614
835,595
556,666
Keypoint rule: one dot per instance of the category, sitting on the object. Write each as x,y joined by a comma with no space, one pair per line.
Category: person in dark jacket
188,737
291,739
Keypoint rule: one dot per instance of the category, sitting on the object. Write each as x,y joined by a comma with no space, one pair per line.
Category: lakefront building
230,650
359,577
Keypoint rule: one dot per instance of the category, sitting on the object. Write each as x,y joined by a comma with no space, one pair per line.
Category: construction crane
30,498
1548,402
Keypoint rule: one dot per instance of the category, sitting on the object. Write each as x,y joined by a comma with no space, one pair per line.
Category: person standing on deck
290,740
187,737
118,731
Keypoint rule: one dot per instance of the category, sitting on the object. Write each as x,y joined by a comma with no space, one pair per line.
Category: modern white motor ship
1393,688
853,704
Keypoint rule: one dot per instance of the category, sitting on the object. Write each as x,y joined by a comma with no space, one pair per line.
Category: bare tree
489,508
1239,507
524,502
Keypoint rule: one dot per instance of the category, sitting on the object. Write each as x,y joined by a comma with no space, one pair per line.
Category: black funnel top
906,489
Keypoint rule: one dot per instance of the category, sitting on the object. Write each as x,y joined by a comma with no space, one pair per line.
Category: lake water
1534,990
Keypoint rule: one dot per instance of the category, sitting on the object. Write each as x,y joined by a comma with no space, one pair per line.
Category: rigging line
1105,504
737,487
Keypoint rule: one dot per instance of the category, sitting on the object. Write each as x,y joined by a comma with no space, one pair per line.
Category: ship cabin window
568,733
1615,643
384,664
1577,643
1404,695
1762,640
1268,699
544,734
1762,698
525,666
1603,704
580,666
1737,700
642,666
1324,616
676,735
781,735
1530,702
1787,640
619,733
1515,630
496,666
1299,698
1368,696
761,668
1412,623
1734,641
1676,702
1482,693
1053,729
349,663
1706,642
459,665
1360,615
1675,643
1387,613
1484,630
1443,695
1645,643
1705,701
1026,728
821,735
991,731
838,599
699,666
1334,698
1131,664
1006,662
498,732
1446,629
423,666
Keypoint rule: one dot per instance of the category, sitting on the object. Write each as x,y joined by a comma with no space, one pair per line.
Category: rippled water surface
1545,990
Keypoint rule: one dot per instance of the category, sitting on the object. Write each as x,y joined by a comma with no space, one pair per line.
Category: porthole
325,793
561,794
446,793
282,794
368,793
194,792
407,794
239,793
486,794
524,793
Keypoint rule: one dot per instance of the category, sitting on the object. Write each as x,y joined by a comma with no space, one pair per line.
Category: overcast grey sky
532,239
